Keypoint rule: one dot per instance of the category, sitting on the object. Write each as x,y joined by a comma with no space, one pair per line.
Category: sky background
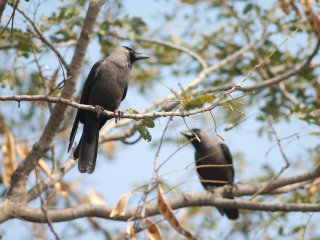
132,165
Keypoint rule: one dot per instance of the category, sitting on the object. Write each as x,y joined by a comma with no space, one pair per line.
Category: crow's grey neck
120,62
120,57
206,141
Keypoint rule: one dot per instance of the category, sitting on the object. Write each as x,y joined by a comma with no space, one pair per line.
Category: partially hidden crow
210,152
105,87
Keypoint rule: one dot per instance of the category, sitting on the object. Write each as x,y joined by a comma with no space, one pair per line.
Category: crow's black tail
87,150
232,213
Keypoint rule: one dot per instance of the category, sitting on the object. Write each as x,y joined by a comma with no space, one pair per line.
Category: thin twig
172,154
286,94
44,209
56,176
270,121
154,178
190,130
54,160
169,44
44,39
11,19
284,156
60,84
43,98
305,227
40,74
160,144
167,104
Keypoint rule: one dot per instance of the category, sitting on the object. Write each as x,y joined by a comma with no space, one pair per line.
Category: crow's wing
84,100
91,79
124,93
228,158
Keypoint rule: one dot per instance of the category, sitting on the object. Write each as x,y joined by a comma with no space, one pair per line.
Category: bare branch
286,75
277,79
11,19
279,183
191,53
283,168
286,95
18,210
50,181
43,98
183,200
165,43
45,210
141,210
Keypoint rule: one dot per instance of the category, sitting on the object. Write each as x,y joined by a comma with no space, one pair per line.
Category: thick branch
182,201
278,186
18,210
20,176
186,200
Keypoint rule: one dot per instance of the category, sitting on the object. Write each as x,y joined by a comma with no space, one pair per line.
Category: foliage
287,34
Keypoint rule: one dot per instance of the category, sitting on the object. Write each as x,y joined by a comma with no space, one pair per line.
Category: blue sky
133,165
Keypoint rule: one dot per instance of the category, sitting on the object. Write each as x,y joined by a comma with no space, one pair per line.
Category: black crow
210,152
106,86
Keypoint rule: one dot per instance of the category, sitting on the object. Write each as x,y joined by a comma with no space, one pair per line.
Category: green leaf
144,132
297,229
248,8
148,123
132,111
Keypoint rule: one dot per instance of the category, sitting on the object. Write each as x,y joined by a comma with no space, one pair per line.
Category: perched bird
210,152
106,86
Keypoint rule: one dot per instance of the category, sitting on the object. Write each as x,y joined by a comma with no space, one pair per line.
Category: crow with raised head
210,152
106,86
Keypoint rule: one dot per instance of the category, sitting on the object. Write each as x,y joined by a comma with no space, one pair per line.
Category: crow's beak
188,134
140,56
191,135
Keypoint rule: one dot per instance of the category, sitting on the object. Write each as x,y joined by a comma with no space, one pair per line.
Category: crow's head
125,56
194,134
133,55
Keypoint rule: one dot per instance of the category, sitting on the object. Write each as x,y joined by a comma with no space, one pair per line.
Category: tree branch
165,43
278,186
283,185
184,200
136,116
20,176
51,180
196,81
277,79
44,39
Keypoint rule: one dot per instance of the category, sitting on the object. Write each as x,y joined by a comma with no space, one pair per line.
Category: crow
105,87
210,152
